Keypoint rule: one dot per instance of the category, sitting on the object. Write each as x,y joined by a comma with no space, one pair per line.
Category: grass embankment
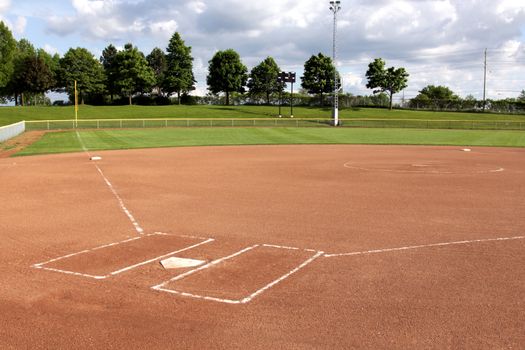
60,142
9,115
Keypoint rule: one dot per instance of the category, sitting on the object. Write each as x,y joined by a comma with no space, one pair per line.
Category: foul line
160,287
100,277
386,250
123,207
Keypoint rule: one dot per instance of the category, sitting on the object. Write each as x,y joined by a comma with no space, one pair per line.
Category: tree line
26,73
120,76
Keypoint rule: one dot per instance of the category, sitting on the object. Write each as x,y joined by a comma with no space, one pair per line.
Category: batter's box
112,259
240,277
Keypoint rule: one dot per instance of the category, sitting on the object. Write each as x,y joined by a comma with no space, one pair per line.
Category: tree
157,61
53,63
133,73
15,87
383,79
79,64
35,77
521,97
179,71
433,92
226,73
263,79
319,74
108,60
7,53
438,96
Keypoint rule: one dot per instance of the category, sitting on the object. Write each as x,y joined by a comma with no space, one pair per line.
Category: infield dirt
334,199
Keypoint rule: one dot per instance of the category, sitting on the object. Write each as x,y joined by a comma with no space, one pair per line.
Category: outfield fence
10,131
272,122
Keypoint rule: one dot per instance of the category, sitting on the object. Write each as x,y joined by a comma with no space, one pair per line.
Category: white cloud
438,41
4,5
19,26
92,7
166,28
50,49
508,9
197,6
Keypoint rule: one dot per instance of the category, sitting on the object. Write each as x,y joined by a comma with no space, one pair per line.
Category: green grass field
9,115
67,141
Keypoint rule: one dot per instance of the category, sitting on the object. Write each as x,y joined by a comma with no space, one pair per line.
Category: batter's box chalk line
43,266
162,287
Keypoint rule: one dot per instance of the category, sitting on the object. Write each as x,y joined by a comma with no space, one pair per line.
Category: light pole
335,6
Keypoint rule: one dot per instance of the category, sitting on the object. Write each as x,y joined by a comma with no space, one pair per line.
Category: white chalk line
160,287
498,170
386,250
123,207
121,203
178,235
127,268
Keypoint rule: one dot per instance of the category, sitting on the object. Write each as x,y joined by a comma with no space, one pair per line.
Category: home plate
177,263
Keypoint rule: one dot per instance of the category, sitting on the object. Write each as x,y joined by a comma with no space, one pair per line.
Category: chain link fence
273,122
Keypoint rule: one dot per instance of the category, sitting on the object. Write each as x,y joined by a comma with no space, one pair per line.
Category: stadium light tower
335,6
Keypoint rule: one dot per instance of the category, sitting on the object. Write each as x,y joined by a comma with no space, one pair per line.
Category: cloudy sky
439,42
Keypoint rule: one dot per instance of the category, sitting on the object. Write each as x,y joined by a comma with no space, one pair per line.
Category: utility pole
485,81
335,6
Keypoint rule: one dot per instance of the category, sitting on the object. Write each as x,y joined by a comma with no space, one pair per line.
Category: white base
177,263
95,158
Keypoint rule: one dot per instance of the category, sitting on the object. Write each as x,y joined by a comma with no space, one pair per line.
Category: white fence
10,131
273,122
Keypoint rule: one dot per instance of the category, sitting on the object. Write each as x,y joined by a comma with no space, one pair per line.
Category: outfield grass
67,141
9,115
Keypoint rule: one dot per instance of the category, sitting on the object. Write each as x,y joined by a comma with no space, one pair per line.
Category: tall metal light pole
335,6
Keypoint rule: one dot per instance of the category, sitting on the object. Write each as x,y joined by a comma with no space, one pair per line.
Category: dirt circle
426,167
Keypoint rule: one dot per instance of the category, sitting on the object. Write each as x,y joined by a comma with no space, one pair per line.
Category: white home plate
177,263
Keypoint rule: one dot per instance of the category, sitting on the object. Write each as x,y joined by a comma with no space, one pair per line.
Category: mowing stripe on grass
60,142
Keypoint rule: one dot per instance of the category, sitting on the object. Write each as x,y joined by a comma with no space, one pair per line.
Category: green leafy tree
319,75
109,62
390,80
157,61
436,93
226,73
263,79
36,76
521,97
16,87
436,96
133,73
79,64
53,63
179,72
7,54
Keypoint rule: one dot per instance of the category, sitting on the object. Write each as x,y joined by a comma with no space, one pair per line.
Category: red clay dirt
20,142
335,199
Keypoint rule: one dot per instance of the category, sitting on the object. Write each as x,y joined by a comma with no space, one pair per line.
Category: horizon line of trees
122,76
